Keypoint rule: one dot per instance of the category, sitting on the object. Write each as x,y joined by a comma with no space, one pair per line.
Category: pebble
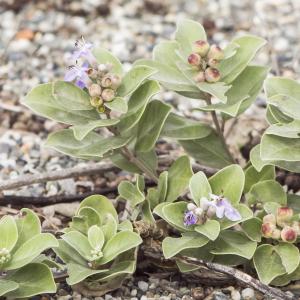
248,294
143,286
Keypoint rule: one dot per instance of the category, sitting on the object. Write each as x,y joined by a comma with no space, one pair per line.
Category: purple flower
190,218
83,50
79,74
224,208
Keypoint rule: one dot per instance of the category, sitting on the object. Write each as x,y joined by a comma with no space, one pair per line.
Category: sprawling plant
99,252
239,216
24,271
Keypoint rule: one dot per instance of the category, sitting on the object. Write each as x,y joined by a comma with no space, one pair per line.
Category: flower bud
94,90
215,52
4,256
270,218
204,203
288,234
101,109
201,220
201,47
212,75
106,81
211,211
108,95
213,62
104,68
296,226
116,81
276,234
194,59
198,211
96,101
267,229
200,77
92,73
284,215
191,206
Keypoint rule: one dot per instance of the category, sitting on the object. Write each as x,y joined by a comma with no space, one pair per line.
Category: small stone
143,286
219,296
235,295
198,293
248,294
133,292
144,297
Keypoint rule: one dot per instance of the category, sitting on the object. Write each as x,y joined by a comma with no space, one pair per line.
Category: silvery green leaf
252,228
210,229
9,233
199,187
7,286
289,255
275,115
96,237
290,130
131,193
118,104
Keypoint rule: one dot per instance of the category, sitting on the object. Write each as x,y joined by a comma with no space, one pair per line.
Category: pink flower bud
270,218
106,81
94,90
194,59
116,81
284,215
212,75
108,95
288,234
215,52
92,73
213,62
200,77
201,47
267,229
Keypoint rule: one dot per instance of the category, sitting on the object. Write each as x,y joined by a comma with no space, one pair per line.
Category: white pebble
143,286
248,294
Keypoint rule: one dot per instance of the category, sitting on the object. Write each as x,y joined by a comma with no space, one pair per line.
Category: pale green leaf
199,187
96,237
252,228
210,229
131,193
289,255
7,286
118,104
9,233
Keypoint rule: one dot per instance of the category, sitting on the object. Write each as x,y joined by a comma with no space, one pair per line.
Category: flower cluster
4,256
205,59
215,206
281,226
97,78
96,253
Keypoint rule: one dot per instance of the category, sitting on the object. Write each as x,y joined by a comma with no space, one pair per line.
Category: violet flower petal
190,218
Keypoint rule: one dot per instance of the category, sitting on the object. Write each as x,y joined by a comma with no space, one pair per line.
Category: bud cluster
103,85
281,226
4,256
96,254
205,59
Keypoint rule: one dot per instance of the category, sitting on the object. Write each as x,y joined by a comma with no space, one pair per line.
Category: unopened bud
106,81
200,77
108,95
288,234
201,220
101,109
92,73
191,206
296,226
284,215
215,52
213,62
201,47
94,90
96,101
212,75
276,234
267,229
116,81
204,203
211,211
198,211
270,218
194,59
104,68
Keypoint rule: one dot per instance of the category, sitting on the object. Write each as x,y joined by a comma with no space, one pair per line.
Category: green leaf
158,210
181,128
252,176
293,201
28,226
289,255
7,286
102,205
283,280
33,279
275,115
271,207
252,228
118,104
162,187
147,213
149,128
189,31
179,175
230,260
231,67
105,57
267,191
9,233
267,263
165,53
209,151
96,237
81,131
125,225
242,93
210,229
133,79
234,242
121,242
137,104
218,89
229,182
42,102
172,246
131,193
31,249
78,273
290,130
110,227
199,187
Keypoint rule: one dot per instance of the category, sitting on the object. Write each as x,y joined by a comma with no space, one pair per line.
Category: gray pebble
143,286
248,294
